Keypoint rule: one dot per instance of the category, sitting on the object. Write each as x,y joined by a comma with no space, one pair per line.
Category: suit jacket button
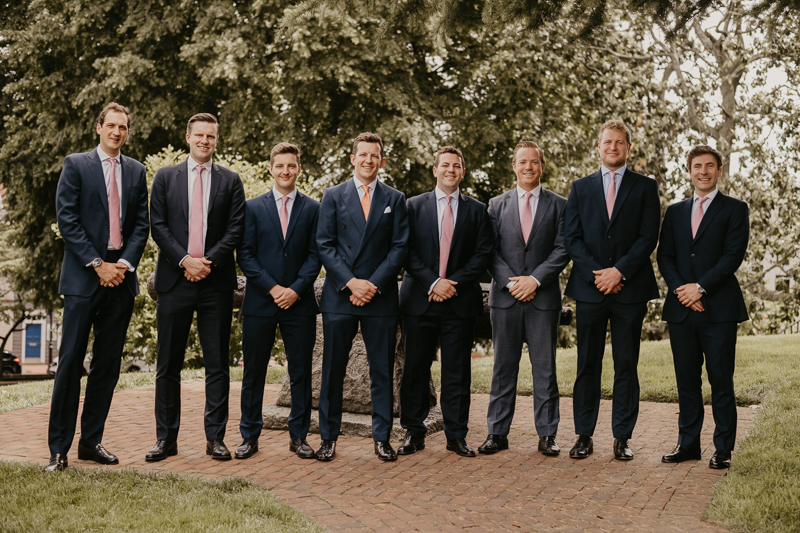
610,259
692,255
344,225
284,255
348,246
609,236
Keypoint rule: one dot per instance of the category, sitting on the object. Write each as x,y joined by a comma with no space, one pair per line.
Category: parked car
128,365
11,364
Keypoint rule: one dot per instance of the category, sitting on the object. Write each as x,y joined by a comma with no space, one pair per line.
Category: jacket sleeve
335,267
549,270
387,271
734,249
574,239
639,253
247,255
68,202
134,247
159,214
479,262
666,256
232,238
311,266
498,267
421,273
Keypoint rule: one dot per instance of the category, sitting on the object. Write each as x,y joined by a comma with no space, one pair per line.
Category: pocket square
387,210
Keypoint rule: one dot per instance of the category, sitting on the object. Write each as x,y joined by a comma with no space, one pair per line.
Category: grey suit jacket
543,257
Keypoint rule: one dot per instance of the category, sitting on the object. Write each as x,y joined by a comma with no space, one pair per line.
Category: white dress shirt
534,202
607,178
104,157
206,181
289,203
440,207
371,189
696,202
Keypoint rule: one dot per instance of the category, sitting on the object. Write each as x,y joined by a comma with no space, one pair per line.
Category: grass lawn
93,500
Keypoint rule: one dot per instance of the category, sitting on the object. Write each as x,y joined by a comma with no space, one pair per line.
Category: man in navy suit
703,243
610,229
363,241
279,257
197,219
101,205
440,297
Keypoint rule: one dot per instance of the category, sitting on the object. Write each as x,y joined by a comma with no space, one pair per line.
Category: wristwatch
700,289
96,262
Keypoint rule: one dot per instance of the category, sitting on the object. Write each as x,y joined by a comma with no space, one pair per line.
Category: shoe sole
490,452
170,453
449,449
294,451
97,460
386,459
589,452
219,457
324,459
676,461
550,453
415,450
247,456
623,458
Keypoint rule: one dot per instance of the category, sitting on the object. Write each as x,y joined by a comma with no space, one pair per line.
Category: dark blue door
33,343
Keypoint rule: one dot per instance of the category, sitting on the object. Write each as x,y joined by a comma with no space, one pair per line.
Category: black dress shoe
301,448
217,450
384,451
583,447
461,447
58,462
721,459
162,450
98,454
246,449
548,446
681,454
493,444
411,445
326,450
622,450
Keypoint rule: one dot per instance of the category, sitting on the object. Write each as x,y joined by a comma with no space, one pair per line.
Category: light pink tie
526,218
114,233
284,214
447,238
196,222
611,195
698,216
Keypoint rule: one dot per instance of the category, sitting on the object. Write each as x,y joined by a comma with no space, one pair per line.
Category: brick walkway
433,490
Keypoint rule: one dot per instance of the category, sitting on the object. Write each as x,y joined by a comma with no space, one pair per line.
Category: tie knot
446,198
366,188
112,161
285,200
613,175
702,200
528,195
199,170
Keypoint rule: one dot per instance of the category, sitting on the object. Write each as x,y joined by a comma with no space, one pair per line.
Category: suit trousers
421,334
107,313
380,337
511,327
690,340
174,313
626,331
258,338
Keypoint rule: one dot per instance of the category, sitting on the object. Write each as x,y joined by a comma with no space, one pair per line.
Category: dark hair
527,144
702,149
202,117
113,106
367,137
449,150
284,148
616,125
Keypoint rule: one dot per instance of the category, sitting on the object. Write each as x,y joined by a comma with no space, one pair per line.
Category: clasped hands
608,280
111,274
284,297
689,296
524,288
196,268
362,291
444,289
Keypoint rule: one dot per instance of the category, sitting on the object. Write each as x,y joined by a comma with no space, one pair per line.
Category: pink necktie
114,233
284,215
698,216
447,238
526,219
196,222
611,195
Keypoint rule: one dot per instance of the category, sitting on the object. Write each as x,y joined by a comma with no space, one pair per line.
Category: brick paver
433,490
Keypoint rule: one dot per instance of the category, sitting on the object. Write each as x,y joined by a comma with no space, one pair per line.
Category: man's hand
196,268
608,280
356,301
688,295
524,288
111,274
443,290
284,296
362,289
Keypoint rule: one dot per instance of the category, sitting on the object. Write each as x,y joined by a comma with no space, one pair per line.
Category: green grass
761,363
93,500
22,395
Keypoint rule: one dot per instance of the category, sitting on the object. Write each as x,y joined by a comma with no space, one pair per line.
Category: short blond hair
616,125
284,148
527,144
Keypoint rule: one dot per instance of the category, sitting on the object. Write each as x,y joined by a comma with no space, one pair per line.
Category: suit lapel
461,219
512,205
272,214
216,178
541,209
126,184
96,167
624,189
377,206
297,208
183,189
598,196
431,214
353,205
715,207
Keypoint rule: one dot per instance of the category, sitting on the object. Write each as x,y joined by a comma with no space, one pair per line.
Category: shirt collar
359,184
441,194
192,163
535,191
620,171
104,156
292,195
710,195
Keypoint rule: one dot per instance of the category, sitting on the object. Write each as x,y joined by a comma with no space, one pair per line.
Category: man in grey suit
525,298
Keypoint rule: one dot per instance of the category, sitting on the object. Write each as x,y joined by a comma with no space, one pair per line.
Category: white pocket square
387,210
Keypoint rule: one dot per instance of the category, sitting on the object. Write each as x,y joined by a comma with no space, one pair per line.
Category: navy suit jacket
169,219
82,213
470,251
267,259
625,241
710,259
350,247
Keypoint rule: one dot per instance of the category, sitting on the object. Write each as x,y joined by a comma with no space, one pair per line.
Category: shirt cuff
130,266
433,285
180,263
537,282
510,285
